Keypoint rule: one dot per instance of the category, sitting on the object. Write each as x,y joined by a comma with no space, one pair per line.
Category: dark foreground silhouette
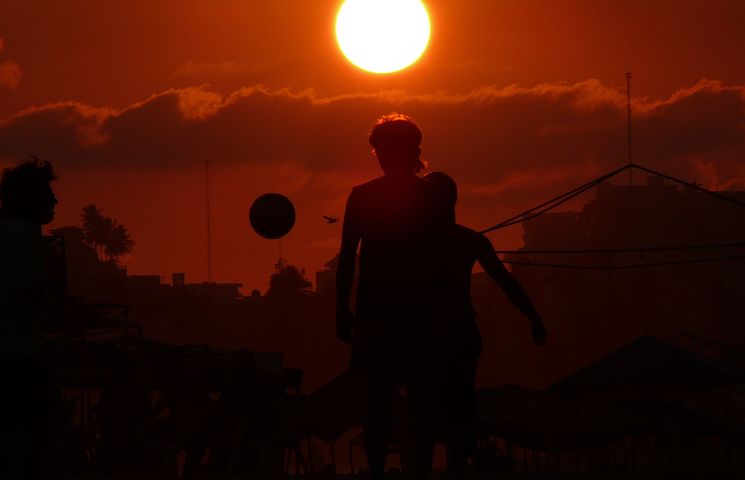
76,404
389,218
454,252
414,324
30,402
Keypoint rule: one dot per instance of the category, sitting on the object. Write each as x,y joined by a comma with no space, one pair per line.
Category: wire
549,205
623,250
627,267
554,202
563,198
690,185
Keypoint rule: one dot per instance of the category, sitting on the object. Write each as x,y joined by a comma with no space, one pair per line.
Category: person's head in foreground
396,142
446,195
26,193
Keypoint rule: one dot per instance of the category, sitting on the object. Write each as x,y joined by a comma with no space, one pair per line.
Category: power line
554,202
691,185
549,205
623,250
627,267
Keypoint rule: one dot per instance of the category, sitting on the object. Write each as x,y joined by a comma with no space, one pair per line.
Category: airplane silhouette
330,220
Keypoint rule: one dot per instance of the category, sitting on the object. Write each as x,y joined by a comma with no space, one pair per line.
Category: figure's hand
344,323
539,332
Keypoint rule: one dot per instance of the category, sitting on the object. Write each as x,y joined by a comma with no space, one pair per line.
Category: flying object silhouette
330,220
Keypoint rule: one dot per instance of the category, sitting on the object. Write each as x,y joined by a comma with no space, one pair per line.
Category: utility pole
207,206
628,109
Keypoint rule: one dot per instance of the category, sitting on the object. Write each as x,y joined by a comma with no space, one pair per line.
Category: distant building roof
651,214
650,362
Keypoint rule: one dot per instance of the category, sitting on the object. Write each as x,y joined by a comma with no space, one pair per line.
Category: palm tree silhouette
96,228
118,243
110,239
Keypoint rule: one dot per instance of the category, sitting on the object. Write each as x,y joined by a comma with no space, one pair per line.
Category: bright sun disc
382,36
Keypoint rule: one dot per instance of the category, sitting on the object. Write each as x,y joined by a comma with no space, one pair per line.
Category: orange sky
517,99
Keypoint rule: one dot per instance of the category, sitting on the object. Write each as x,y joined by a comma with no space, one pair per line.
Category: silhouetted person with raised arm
388,219
26,203
454,251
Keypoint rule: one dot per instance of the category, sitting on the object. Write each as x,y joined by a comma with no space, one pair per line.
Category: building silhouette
596,298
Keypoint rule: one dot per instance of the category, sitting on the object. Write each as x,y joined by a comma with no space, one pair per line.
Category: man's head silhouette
26,193
396,141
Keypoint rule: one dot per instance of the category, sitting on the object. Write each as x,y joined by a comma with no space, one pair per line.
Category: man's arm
491,264
350,239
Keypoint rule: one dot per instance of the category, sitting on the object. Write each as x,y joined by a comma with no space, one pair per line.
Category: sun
382,36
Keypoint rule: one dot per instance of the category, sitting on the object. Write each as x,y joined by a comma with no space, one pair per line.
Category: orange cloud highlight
508,148
10,74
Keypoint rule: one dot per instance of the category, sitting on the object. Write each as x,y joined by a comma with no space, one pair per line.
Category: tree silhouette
288,284
118,243
110,239
290,310
95,228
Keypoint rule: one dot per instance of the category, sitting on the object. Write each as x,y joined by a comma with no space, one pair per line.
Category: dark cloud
707,119
515,141
491,138
508,148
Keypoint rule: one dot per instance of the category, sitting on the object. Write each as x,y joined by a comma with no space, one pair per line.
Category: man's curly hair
18,181
397,131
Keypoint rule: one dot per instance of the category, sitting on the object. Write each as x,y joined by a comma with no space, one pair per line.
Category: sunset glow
382,36
518,101
429,224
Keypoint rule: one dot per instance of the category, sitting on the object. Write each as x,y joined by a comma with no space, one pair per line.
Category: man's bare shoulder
370,186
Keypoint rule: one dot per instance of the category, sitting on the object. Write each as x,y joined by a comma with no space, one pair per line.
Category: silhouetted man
455,249
388,219
26,203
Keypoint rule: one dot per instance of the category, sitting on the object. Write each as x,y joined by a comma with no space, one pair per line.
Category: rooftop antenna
628,109
280,265
207,205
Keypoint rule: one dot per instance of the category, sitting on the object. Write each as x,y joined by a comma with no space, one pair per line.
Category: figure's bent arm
491,264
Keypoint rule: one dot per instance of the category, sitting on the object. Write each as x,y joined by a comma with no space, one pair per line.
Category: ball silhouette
272,215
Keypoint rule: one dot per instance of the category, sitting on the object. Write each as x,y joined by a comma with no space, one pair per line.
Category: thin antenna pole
628,108
207,205
280,260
